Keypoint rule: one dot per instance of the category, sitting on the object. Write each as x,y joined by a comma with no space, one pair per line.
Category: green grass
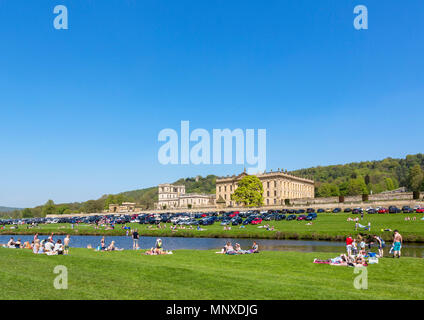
202,275
328,226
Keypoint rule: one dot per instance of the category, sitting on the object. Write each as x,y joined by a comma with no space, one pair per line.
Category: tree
356,187
27,213
367,179
61,209
416,177
328,190
48,208
249,192
390,184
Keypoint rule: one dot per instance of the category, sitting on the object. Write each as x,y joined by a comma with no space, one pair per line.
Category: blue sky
81,108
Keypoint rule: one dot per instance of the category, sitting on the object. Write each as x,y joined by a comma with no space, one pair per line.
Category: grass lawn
328,226
202,275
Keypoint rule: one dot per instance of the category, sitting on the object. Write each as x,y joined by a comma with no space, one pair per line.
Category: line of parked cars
234,218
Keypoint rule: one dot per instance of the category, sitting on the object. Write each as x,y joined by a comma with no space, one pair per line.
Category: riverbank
198,274
328,226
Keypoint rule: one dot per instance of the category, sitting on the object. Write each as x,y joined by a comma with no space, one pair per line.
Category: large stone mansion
277,185
172,197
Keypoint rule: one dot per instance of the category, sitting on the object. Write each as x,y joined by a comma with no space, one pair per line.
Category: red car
383,210
256,221
233,214
420,210
204,215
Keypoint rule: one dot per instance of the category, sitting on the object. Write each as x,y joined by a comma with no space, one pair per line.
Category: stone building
173,197
124,207
277,186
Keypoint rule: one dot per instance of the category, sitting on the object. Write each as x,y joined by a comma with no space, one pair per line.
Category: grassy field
202,275
328,226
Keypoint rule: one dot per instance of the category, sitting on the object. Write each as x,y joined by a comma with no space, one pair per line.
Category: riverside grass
201,275
328,226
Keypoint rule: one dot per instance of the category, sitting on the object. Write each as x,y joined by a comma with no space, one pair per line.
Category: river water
175,243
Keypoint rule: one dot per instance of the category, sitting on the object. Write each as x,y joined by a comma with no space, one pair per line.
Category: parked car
320,210
394,209
236,221
337,210
357,210
407,209
347,210
419,210
225,222
382,210
256,221
280,217
311,216
310,210
301,217
291,217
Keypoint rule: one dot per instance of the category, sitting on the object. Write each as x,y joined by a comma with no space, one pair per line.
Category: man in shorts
397,244
66,245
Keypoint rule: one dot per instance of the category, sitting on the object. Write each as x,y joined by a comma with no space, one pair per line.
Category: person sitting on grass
48,246
58,247
11,243
27,245
36,246
111,247
18,244
341,260
227,248
255,248
155,252
238,249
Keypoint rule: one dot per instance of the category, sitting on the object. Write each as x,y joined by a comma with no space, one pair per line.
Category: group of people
352,247
357,251
345,260
45,246
157,249
229,249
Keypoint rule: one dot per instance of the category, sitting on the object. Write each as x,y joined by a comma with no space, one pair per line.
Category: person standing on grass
397,244
381,244
135,237
66,245
349,242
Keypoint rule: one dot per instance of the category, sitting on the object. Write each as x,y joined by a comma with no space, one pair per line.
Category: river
175,243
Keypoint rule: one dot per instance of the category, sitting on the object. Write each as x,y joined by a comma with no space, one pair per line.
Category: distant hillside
378,176
8,209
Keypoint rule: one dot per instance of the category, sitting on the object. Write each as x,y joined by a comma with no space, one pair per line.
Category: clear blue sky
81,108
